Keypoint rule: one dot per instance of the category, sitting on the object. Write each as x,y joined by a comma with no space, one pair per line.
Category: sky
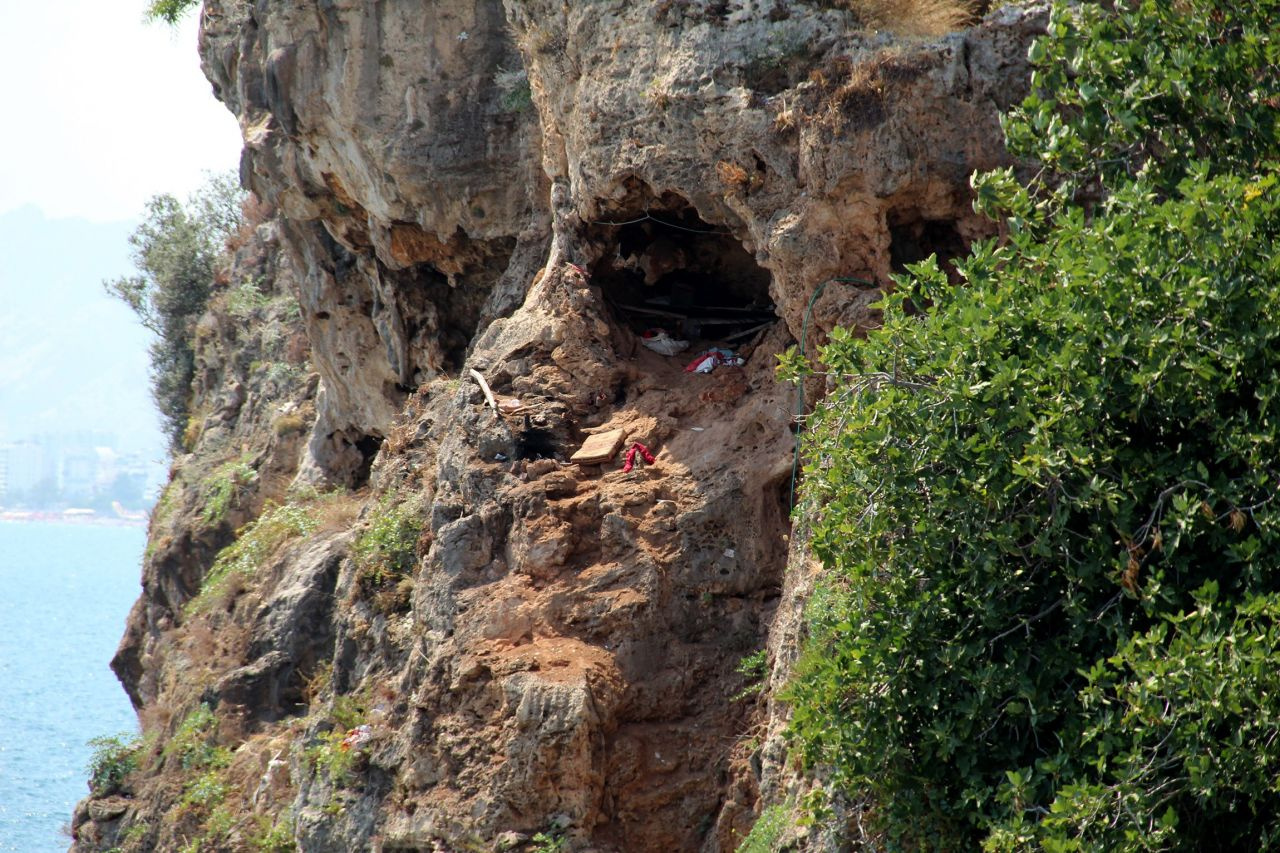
99,111
102,110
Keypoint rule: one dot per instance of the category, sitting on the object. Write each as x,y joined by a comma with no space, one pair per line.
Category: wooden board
598,448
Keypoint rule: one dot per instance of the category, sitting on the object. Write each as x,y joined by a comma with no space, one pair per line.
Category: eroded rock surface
522,189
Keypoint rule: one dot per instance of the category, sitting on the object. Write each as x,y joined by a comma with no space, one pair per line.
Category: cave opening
367,446
662,267
440,317
536,441
912,238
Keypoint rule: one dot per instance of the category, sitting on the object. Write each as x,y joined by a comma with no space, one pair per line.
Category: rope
652,218
804,337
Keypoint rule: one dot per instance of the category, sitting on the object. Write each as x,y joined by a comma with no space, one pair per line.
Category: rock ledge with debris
503,469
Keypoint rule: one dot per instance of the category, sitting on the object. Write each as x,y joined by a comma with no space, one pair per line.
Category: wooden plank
484,386
598,448
746,316
750,331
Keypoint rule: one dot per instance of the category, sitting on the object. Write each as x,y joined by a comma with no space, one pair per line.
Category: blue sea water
65,591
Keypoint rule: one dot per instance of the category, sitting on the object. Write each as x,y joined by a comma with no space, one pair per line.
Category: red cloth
713,358
637,448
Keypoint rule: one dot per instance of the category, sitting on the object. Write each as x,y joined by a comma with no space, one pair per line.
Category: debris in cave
668,274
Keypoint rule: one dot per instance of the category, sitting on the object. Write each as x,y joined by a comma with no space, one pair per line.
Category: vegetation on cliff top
1046,500
176,250
170,11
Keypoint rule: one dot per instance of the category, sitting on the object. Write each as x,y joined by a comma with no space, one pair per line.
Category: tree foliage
176,250
114,758
1046,502
170,11
1129,89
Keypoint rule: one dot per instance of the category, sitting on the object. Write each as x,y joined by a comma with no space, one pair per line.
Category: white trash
660,342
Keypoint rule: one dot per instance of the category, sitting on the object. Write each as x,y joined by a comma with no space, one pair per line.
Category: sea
65,590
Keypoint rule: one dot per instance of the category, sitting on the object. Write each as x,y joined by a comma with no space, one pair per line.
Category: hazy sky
100,110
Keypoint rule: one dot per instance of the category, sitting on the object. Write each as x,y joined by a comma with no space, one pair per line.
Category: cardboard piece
598,448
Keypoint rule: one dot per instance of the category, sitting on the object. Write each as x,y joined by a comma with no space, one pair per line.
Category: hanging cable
652,218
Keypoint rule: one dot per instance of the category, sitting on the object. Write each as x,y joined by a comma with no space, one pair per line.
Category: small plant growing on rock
114,757
247,298
193,745
242,558
735,178
767,831
552,840
218,827
785,120
731,174
135,835
658,95
288,424
385,554
164,509
753,668
223,488
207,790
517,96
338,751
170,11
272,837
336,759
204,765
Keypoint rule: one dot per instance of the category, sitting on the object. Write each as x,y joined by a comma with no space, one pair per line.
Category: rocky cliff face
383,612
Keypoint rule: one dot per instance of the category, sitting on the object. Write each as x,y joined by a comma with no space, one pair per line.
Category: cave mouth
664,267
440,318
440,297
913,238
367,446
536,442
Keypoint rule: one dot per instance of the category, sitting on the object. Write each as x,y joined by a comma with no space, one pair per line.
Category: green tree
176,250
170,11
1045,500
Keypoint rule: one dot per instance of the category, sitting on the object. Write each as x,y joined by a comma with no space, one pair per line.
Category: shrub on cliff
176,250
114,758
385,552
1046,500
255,544
170,11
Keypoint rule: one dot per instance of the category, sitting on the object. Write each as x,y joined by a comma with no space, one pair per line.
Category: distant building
107,469
54,471
79,475
23,466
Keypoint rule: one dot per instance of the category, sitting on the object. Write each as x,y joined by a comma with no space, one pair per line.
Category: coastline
60,517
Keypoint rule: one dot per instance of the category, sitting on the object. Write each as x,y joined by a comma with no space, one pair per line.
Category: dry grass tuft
785,120
253,212
338,510
731,174
736,178
913,17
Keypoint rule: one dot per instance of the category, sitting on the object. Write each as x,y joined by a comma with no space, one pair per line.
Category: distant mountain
71,357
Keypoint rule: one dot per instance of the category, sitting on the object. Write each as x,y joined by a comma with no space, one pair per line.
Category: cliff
380,612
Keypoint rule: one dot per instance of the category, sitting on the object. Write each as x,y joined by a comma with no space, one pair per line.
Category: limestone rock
108,808
524,188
